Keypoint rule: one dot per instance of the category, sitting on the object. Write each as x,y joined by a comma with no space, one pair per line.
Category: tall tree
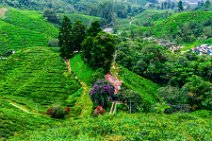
180,6
65,40
78,30
98,51
94,29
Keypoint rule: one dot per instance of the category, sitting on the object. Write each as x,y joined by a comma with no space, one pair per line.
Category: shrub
57,112
101,92
133,100
199,93
161,107
173,96
98,74
99,111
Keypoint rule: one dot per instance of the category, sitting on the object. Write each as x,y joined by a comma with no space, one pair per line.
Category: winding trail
83,103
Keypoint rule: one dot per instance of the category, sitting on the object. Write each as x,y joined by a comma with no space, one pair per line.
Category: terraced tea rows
37,73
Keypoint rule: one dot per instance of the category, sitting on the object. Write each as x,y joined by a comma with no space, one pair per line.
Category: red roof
116,83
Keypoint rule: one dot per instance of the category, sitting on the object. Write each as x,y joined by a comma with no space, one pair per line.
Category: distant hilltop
190,2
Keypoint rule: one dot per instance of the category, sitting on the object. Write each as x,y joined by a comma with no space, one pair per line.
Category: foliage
101,92
180,6
56,111
145,88
199,92
98,51
148,126
133,100
39,5
175,98
190,24
65,39
70,37
85,19
94,29
51,16
98,74
78,31
161,107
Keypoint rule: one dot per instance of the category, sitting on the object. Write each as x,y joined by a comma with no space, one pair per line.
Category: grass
83,106
180,126
82,70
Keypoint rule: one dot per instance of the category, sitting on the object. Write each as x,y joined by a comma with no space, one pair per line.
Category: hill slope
172,23
37,73
22,28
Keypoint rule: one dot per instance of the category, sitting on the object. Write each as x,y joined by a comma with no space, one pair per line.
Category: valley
55,57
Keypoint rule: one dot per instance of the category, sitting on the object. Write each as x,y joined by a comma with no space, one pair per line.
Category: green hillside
146,88
177,20
35,80
32,20
21,28
145,18
37,73
16,122
31,80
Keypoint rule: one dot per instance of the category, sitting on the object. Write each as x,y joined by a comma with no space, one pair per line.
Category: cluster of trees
51,16
70,37
192,30
204,5
108,10
187,72
167,5
97,47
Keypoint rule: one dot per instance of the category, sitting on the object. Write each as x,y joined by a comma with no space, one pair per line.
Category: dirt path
67,61
83,103
2,12
19,107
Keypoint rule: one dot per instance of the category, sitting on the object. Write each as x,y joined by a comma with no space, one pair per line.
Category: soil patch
2,12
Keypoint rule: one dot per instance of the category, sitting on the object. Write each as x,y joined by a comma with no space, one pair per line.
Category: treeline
184,76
